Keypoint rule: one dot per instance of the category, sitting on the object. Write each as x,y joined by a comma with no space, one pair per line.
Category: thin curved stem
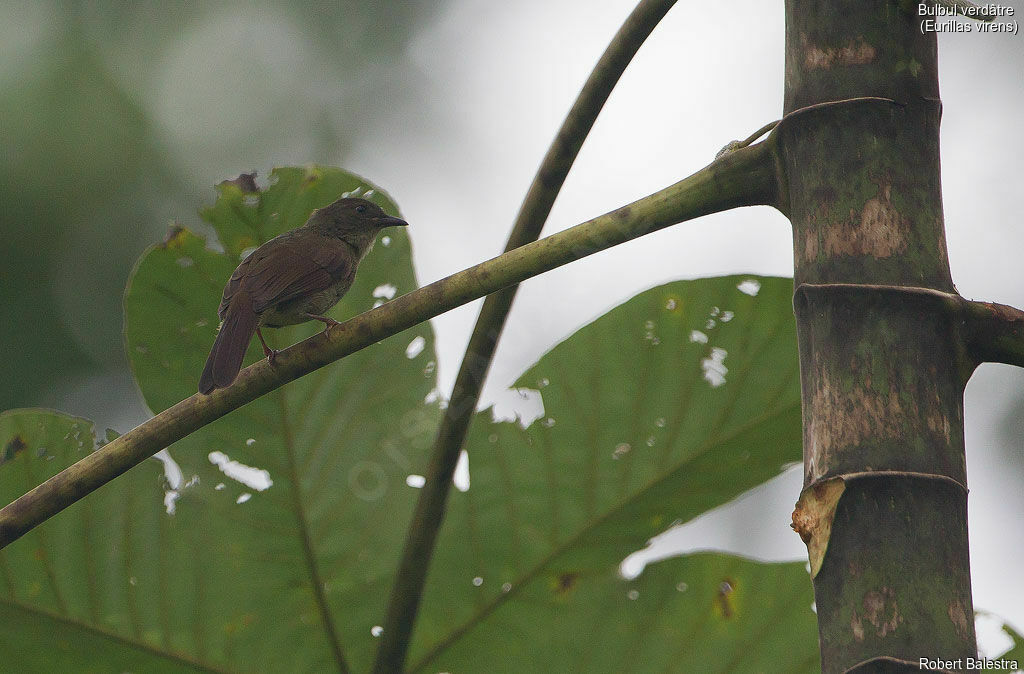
426,522
744,178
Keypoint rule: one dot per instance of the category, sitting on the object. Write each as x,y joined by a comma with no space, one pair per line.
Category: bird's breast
294,311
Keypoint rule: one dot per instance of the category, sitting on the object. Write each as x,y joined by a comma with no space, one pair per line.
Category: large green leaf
669,405
100,587
301,570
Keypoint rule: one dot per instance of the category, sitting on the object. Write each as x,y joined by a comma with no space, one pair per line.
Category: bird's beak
389,221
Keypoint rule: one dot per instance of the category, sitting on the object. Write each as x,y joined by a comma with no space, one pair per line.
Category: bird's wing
294,267
232,286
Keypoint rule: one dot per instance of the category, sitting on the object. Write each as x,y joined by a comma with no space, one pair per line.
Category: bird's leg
327,321
271,354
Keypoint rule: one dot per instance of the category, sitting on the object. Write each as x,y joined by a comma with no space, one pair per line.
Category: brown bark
884,509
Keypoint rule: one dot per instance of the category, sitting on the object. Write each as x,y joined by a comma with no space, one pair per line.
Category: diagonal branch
743,178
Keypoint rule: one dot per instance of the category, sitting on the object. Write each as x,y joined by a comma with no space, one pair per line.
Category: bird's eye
360,209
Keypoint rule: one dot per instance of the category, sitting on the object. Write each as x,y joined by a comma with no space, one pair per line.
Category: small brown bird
295,277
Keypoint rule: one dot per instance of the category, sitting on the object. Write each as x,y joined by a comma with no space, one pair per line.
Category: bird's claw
271,354
326,320
328,324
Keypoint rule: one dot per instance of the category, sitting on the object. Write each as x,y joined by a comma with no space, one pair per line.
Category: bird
295,277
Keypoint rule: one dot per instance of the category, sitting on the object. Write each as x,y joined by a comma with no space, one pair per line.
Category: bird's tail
228,350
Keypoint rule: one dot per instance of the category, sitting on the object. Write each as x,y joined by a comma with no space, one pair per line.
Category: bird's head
354,220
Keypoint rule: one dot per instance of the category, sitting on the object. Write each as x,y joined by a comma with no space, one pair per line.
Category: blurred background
119,118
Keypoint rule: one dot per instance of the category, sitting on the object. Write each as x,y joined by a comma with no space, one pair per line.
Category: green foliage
77,144
1016,652
337,444
635,436
99,588
703,612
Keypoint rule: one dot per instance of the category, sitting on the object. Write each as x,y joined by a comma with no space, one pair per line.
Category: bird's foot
326,320
271,354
